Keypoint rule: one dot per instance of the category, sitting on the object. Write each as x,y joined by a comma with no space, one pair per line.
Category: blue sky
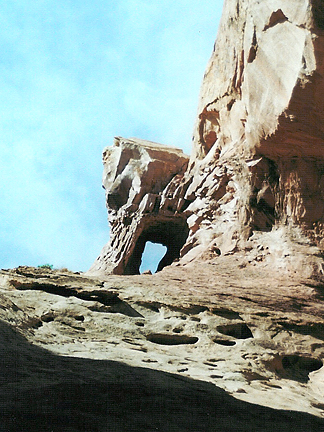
74,74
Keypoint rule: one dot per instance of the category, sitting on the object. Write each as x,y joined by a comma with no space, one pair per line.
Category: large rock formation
258,149
231,335
136,172
260,115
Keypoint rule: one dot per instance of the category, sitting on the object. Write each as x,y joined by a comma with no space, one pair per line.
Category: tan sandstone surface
229,334
258,148
218,345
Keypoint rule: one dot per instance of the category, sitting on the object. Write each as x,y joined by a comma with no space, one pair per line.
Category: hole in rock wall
152,255
208,129
301,193
169,232
295,367
263,200
224,342
318,13
238,331
171,339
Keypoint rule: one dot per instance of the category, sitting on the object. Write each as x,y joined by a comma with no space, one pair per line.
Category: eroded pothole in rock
224,342
237,330
295,367
171,339
226,313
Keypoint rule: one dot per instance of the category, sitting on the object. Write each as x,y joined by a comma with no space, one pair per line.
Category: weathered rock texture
258,151
230,337
219,345
136,172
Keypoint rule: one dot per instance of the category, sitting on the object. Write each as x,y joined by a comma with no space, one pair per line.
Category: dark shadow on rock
44,392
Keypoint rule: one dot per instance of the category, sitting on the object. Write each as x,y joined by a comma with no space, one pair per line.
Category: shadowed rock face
258,149
45,392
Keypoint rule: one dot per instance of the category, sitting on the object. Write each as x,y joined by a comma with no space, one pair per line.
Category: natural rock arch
170,232
141,208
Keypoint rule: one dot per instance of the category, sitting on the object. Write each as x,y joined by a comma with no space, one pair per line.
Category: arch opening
169,232
152,255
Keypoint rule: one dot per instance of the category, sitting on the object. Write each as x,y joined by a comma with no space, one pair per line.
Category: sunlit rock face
261,120
136,177
257,164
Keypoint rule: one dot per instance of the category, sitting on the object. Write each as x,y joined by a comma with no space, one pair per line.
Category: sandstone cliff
256,170
230,336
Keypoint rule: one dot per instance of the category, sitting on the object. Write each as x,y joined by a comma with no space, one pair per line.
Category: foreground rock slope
219,345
